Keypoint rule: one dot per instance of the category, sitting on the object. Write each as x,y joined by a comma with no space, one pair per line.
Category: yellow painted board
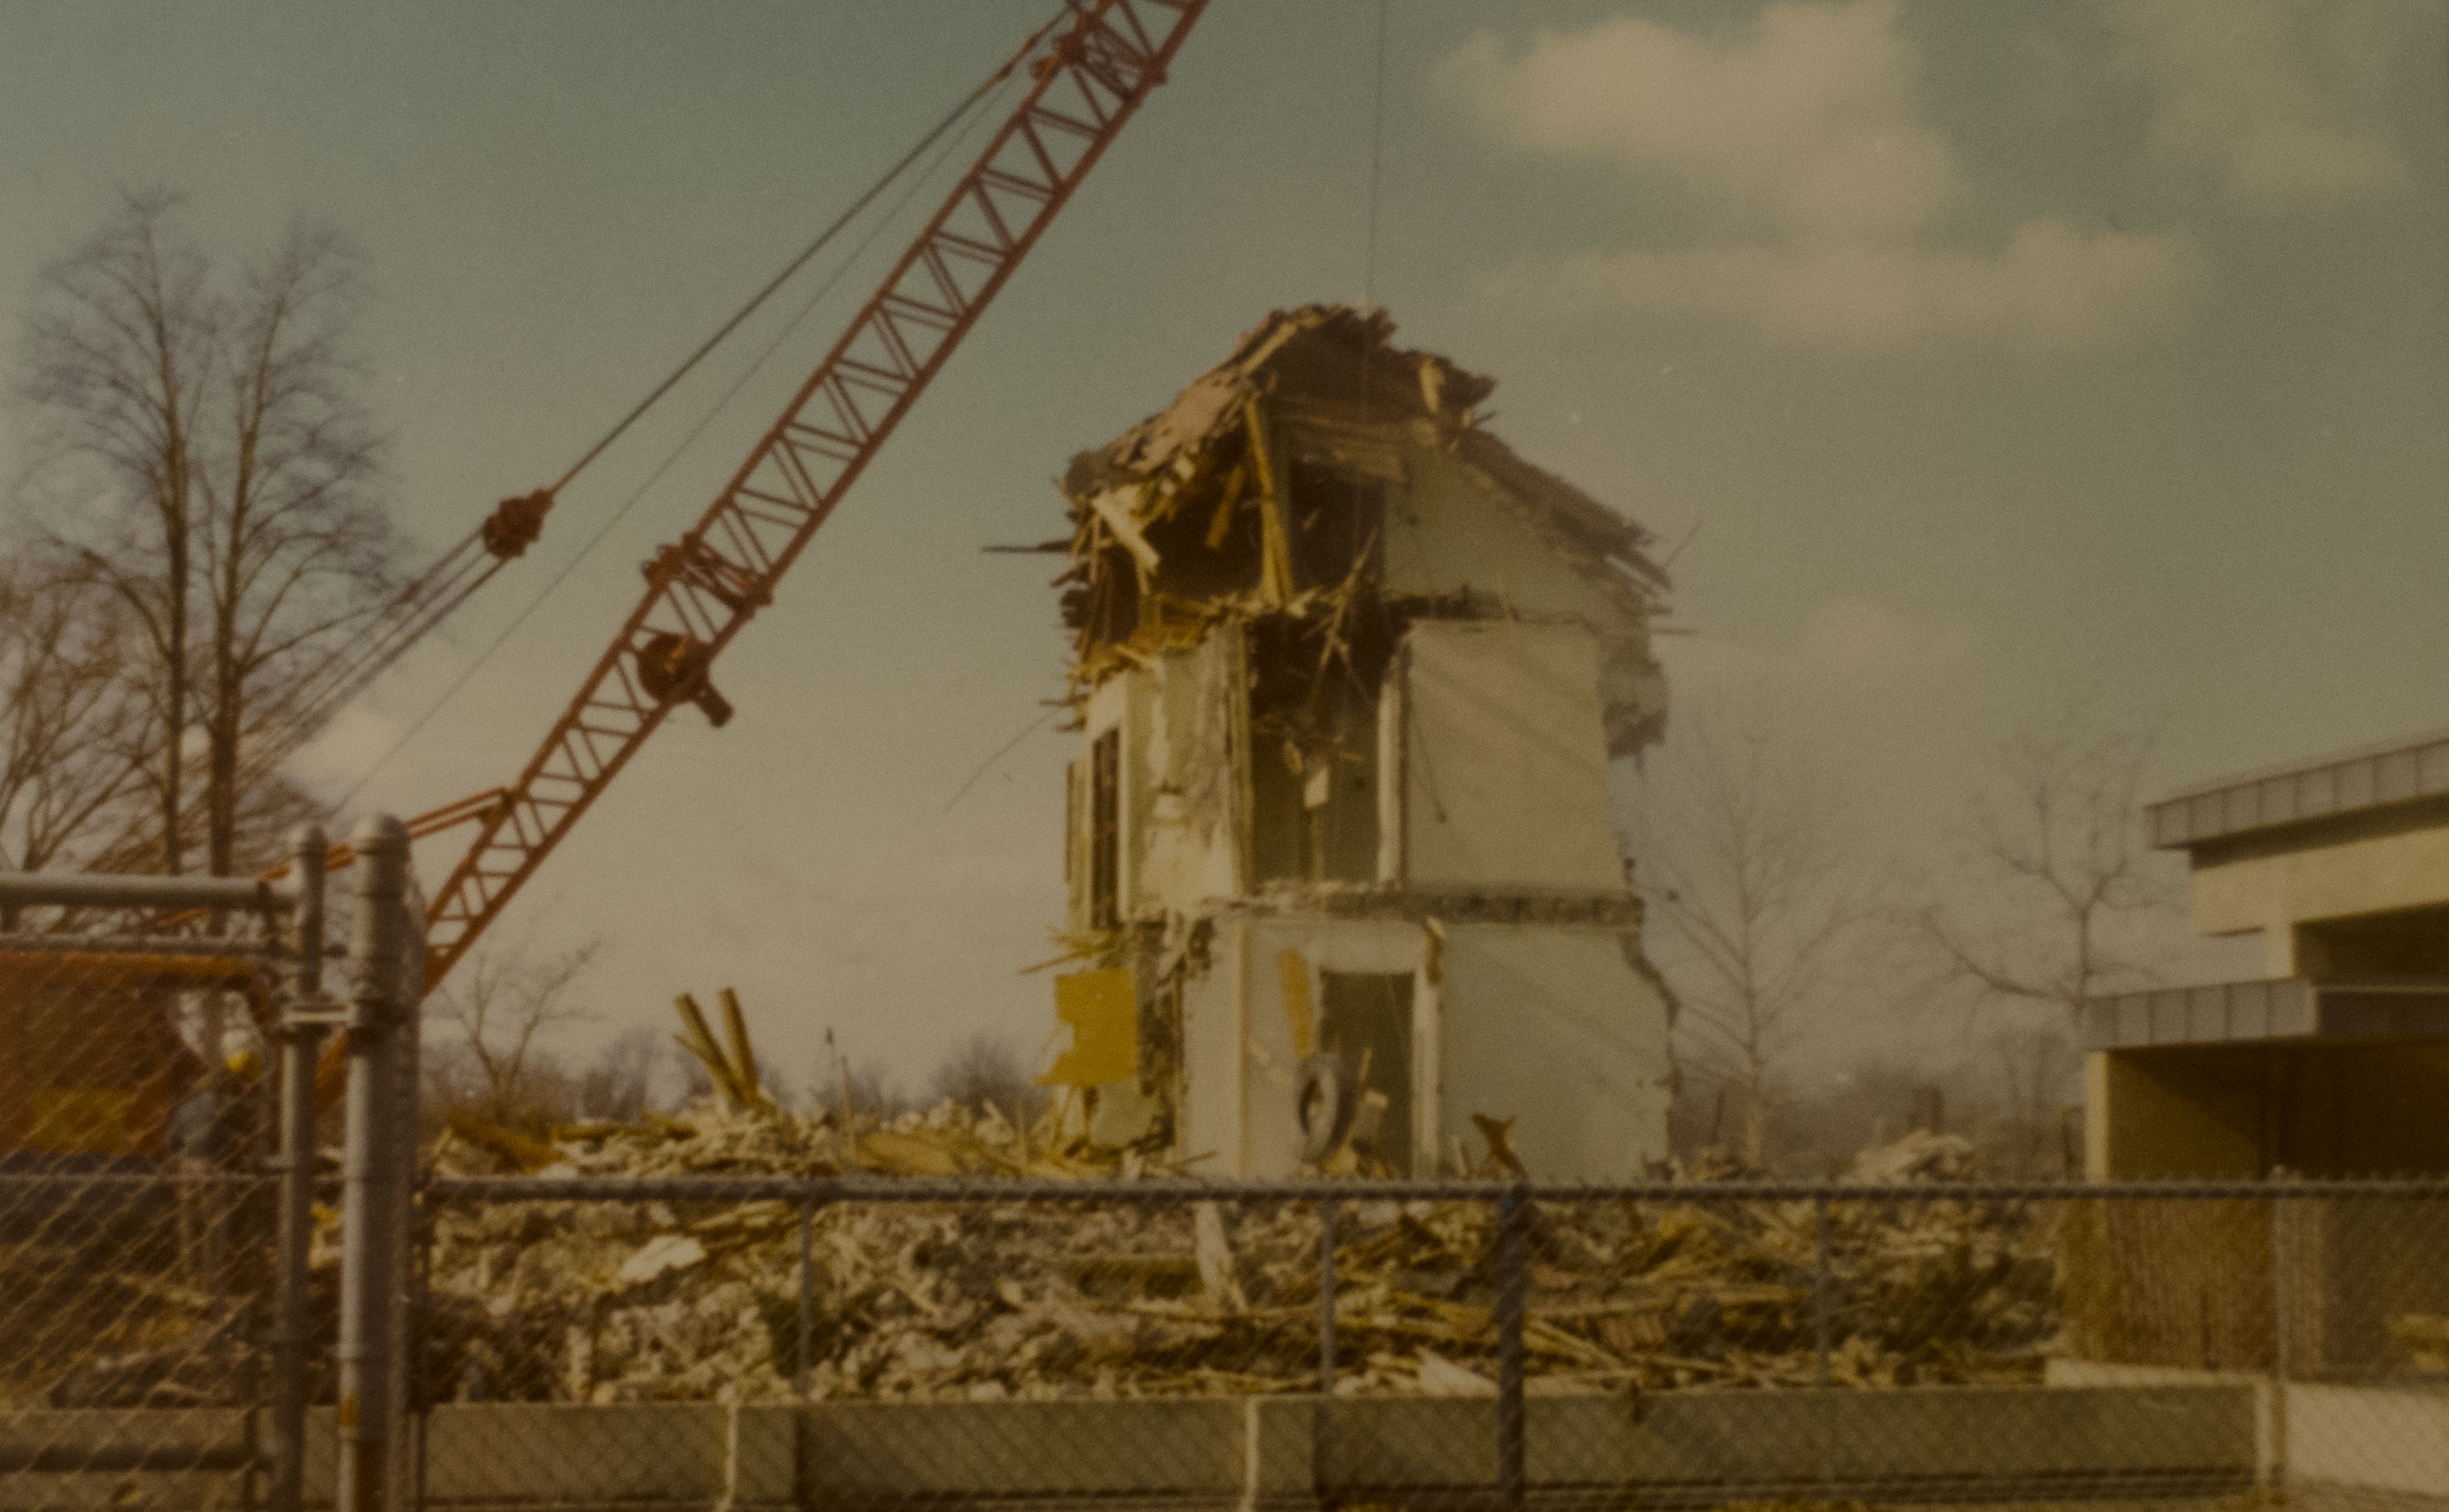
1102,1007
1297,1009
83,1120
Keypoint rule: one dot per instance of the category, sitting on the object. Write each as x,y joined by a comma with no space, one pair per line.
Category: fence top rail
85,1180
62,943
1161,1191
90,891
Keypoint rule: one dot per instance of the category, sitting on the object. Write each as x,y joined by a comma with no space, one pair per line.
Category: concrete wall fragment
1505,763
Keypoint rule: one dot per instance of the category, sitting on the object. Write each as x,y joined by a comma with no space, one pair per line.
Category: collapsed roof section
1327,481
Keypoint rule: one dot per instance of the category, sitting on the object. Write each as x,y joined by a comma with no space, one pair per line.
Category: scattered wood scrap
612,1302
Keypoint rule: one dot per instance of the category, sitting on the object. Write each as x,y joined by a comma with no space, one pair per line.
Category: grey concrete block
1376,1443
2009,1433
547,1452
1278,1453
2369,1438
103,1457
762,1457
863,1450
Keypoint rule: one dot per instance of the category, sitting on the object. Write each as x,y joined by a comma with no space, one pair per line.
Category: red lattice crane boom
1087,81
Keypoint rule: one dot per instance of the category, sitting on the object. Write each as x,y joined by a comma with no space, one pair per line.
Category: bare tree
297,546
2059,874
500,1005
70,728
985,1070
1751,873
118,357
618,1081
2039,1069
207,451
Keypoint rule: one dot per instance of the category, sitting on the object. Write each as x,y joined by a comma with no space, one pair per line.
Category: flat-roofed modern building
2336,1063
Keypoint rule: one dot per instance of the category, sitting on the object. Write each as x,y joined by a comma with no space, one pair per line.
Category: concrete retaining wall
1279,1454
2391,1440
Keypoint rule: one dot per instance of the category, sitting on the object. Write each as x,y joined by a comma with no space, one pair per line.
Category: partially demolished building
1349,674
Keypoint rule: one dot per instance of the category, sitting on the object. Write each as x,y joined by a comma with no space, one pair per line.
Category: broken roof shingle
1341,359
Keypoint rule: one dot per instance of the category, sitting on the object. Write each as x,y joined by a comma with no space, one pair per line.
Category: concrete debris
1224,507
1440,1376
1920,1155
615,1302
659,1257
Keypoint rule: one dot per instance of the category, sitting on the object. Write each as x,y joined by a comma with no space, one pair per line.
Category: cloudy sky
1990,360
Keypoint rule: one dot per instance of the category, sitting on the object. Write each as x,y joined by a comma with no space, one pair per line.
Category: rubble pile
612,1302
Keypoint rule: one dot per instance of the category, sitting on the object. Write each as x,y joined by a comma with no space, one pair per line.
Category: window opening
1105,830
1367,1018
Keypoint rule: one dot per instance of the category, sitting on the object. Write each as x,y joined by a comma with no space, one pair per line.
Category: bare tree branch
205,438
2059,859
501,1005
1750,872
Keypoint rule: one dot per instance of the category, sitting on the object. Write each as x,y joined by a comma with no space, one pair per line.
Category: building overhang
2302,1010
2302,793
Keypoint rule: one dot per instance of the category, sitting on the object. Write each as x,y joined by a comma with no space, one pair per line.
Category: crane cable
1377,166
917,182
993,81
431,598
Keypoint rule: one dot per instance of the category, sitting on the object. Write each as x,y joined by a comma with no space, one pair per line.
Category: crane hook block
672,669
516,524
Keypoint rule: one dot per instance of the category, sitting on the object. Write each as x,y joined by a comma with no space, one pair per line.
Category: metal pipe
1512,1268
1164,1191
186,944
366,1282
301,1043
132,1182
399,1192
807,1294
1326,1298
20,889
1820,1319
2282,1364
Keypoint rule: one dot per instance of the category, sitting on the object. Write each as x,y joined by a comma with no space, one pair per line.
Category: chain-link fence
183,1274
865,1342
137,1210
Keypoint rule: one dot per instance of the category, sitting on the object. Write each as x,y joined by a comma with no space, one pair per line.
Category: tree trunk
221,751
174,693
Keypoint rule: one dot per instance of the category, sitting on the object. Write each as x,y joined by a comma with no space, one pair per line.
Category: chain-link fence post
808,1353
2282,1367
1326,1299
405,1229
367,1279
416,1385
302,1042
1512,1268
1820,1299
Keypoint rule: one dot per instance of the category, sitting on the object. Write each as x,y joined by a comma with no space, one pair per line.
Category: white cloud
1804,131
2052,287
1806,120
2237,92
1854,641
343,751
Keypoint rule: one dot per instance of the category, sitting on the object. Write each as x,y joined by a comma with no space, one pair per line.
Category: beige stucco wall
1445,536
1549,1025
2274,892
1504,779
1552,1026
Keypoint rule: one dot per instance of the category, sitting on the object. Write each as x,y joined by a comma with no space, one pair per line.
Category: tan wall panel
2369,875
